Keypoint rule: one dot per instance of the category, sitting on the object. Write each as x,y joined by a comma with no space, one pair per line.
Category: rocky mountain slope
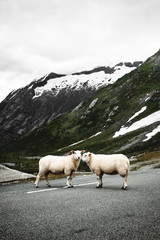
44,99
120,117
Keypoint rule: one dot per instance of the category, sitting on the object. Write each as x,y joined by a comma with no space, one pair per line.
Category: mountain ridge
42,100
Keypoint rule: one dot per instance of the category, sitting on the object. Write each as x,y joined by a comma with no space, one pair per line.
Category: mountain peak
45,98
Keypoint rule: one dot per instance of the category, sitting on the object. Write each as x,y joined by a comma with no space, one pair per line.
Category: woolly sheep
108,164
59,165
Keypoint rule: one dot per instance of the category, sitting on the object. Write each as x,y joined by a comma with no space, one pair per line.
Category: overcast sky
64,36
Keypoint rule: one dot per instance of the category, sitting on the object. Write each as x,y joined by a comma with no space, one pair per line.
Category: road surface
83,212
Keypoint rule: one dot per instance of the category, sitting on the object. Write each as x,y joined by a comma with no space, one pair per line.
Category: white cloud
38,36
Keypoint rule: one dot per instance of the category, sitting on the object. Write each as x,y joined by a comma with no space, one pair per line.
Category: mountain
122,117
44,99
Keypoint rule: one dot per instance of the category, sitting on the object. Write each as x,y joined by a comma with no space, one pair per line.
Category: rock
9,175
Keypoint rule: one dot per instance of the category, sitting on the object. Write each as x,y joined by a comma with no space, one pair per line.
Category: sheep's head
86,157
77,154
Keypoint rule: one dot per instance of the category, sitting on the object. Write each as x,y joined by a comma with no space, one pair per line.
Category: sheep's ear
72,151
83,151
90,154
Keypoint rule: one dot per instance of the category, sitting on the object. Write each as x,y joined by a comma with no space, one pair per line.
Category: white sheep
108,164
59,165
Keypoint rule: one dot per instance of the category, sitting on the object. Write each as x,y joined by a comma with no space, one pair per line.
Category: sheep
108,164
59,165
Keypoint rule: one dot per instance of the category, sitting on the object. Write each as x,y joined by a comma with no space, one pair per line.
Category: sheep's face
86,157
77,155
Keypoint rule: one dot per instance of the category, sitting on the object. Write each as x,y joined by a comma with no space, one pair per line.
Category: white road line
83,184
52,189
44,190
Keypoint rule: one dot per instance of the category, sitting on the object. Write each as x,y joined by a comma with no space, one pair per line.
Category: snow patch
93,103
152,118
120,72
95,134
137,113
78,106
151,134
30,87
76,143
147,99
83,140
14,92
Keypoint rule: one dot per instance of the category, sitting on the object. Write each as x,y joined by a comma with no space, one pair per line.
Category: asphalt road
83,212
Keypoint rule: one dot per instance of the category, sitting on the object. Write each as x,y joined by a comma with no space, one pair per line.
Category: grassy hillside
105,111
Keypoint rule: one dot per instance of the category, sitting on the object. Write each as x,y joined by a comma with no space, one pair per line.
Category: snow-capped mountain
95,79
44,99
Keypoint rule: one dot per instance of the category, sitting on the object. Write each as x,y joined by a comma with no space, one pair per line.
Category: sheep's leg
124,173
37,180
125,180
69,181
46,179
40,174
124,187
99,178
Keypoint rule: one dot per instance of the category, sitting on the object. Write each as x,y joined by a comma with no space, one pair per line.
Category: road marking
44,190
83,184
52,189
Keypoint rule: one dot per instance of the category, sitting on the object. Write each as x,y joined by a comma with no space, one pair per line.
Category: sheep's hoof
49,185
124,188
36,186
99,186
